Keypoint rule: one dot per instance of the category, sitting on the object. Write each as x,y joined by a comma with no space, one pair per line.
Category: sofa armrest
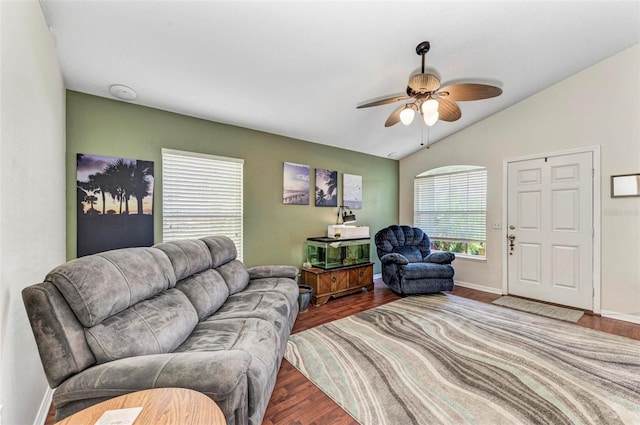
394,258
440,257
221,375
260,272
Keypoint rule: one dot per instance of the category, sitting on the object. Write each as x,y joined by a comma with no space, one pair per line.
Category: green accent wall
273,233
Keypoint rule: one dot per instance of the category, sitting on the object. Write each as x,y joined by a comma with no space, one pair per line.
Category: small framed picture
625,185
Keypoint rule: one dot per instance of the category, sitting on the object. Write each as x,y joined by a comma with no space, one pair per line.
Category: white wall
598,106
32,195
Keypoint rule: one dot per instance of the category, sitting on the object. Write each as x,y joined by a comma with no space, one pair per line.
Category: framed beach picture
326,188
295,184
114,203
352,191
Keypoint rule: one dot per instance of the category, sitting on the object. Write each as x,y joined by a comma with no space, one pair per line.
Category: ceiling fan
430,100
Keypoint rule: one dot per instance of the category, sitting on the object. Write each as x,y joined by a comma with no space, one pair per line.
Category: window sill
471,258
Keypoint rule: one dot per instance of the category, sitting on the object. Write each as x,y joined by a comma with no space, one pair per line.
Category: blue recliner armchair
408,265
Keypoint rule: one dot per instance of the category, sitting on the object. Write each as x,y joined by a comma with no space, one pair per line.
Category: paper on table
119,416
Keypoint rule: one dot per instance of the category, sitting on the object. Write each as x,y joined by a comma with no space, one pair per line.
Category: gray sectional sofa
179,314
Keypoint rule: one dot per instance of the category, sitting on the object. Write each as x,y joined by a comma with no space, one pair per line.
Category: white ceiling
300,68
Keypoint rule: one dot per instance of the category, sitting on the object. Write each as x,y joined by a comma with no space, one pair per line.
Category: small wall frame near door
551,227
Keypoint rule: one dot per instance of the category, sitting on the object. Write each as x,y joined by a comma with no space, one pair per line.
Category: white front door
550,229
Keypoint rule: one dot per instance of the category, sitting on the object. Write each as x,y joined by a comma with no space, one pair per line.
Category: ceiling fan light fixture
407,114
431,118
430,112
430,106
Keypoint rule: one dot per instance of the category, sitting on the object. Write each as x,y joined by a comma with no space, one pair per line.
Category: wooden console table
337,282
160,406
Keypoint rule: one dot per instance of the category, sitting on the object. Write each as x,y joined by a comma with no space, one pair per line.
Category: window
450,205
201,196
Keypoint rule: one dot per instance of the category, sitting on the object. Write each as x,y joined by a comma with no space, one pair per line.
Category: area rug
542,309
442,359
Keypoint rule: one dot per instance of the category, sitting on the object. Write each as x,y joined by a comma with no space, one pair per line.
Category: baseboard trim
477,287
620,316
43,411
377,276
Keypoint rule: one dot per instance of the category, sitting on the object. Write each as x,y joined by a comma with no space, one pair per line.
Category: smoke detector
122,92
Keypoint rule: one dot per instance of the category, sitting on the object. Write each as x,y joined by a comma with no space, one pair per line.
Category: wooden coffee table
160,406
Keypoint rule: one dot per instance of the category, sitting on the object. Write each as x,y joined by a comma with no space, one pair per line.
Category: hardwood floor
296,401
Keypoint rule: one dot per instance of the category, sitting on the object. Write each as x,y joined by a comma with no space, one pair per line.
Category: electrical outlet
496,224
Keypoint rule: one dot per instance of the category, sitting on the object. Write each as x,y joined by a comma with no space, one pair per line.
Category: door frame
595,151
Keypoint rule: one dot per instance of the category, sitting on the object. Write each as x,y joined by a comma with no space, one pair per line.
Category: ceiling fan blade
394,118
448,110
469,91
383,101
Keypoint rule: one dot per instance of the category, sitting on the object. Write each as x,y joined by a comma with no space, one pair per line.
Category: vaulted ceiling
300,68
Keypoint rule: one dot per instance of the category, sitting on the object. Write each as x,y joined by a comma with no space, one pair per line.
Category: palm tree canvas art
326,188
114,203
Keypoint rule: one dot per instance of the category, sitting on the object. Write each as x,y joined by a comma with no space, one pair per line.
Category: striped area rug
442,359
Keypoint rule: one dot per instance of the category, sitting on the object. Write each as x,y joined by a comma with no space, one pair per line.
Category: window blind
201,196
452,207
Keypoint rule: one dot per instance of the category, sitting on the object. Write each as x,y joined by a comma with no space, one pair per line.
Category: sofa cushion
206,290
154,326
188,256
284,286
272,307
235,275
288,288
253,336
101,285
222,249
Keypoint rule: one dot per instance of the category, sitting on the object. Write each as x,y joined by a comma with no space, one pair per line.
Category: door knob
511,237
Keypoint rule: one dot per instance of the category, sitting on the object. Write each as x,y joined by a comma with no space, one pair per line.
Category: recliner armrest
260,272
440,257
394,258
